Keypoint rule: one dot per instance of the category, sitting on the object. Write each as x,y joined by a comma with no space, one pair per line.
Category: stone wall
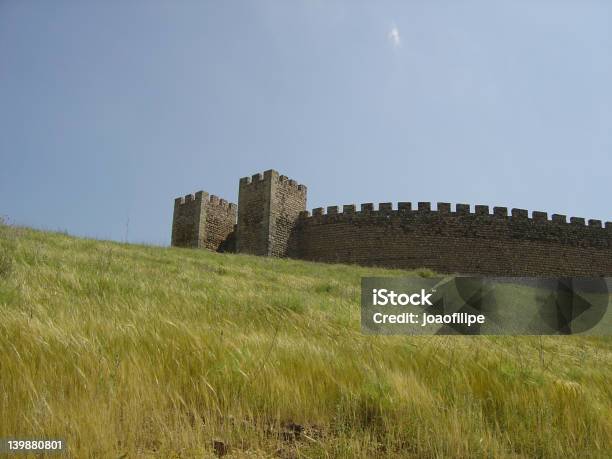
269,205
288,201
272,221
456,242
253,214
202,221
188,220
220,219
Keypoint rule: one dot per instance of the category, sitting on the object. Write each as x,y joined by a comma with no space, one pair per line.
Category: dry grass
136,351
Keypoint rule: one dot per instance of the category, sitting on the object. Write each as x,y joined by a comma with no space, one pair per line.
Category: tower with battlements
269,207
271,220
203,222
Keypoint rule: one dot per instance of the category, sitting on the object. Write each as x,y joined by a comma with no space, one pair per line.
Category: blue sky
109,110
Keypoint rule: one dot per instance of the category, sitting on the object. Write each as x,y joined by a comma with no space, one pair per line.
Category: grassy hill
137,351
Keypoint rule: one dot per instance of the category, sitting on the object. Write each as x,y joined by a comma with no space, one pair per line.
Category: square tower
202,221
269,206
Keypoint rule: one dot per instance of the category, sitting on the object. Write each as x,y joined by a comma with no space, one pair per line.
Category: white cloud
394,37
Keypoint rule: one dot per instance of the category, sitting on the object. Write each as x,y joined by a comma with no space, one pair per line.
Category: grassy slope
154,352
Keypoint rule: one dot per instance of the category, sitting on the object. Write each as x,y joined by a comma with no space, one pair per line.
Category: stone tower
202,221
269,206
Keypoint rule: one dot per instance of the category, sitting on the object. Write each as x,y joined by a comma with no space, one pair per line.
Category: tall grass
135,351
7,248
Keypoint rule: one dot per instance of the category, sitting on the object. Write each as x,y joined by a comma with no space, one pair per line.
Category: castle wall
271,220
202,221
456,242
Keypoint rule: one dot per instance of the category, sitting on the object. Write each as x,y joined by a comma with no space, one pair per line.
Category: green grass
137,351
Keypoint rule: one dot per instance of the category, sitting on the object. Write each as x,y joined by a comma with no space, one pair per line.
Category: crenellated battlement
254,179
222,204
189,198
268,176
445,209
271,220
206,199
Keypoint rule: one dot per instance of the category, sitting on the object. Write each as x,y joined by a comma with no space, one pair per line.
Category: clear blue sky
111,109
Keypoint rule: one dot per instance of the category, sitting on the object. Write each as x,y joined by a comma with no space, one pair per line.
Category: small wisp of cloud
394,37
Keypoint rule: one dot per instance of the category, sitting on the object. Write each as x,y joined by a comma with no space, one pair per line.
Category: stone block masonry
272,221
202,221
457,242
269,205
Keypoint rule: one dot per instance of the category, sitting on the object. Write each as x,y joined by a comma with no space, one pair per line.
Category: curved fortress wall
456,242
272,221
